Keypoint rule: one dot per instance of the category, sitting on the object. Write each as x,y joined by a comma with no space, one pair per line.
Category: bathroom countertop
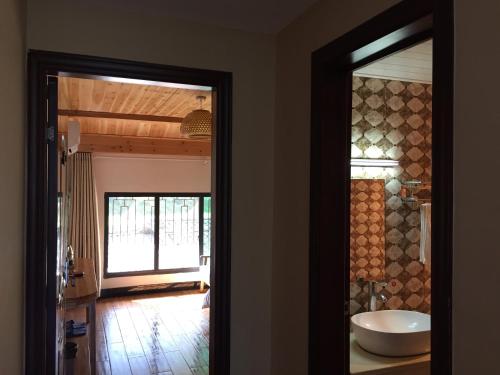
364,363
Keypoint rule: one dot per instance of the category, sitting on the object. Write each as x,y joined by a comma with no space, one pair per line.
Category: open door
56,238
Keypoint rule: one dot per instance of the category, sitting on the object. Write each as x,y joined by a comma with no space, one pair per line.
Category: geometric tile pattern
393,120
367,249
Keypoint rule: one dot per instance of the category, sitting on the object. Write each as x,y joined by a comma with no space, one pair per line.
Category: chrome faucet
373,295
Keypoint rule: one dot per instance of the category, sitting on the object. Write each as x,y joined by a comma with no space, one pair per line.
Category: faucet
372,293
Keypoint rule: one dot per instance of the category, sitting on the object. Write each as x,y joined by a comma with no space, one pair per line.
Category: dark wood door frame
38,286
401,26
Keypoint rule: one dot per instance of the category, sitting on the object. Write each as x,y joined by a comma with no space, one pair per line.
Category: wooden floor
152,334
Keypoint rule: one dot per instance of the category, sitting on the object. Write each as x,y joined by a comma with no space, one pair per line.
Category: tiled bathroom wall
393,120
367,245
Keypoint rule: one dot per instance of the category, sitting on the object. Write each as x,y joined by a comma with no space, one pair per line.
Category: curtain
83,224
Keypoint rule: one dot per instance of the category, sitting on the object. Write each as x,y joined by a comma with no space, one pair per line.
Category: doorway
207,214
400,27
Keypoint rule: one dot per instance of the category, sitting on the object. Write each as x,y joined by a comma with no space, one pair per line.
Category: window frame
156,270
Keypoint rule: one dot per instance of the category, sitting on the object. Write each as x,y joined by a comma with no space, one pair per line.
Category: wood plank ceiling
413,64
130,118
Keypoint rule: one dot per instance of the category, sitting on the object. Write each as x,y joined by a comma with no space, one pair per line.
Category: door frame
37,286
399,27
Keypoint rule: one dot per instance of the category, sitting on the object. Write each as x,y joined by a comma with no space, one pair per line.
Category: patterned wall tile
367,252
393,120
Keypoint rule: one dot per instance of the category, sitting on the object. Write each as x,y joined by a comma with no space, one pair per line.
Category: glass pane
131,234
207,224
179,232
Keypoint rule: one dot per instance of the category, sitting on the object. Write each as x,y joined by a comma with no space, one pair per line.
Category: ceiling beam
142,145
118,116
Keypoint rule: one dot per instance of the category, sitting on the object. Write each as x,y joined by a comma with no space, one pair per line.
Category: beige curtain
83,224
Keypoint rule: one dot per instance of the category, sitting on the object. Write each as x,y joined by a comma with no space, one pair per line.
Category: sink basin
394,333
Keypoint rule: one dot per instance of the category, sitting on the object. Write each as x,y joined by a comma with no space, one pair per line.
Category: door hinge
50,134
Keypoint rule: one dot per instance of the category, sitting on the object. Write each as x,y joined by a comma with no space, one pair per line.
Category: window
149,233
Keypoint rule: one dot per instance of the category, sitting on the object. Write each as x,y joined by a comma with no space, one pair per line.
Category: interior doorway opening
131,164
390,212
333,104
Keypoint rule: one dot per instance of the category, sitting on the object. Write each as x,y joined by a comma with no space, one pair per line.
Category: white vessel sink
394,333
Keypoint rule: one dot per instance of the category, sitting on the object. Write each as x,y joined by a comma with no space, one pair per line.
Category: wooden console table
84,293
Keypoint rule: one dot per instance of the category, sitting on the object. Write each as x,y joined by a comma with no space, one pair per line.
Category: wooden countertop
85,288
366,363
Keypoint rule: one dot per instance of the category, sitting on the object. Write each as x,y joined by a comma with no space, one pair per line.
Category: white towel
425,234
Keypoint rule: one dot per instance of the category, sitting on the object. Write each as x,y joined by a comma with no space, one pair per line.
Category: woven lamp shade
197,124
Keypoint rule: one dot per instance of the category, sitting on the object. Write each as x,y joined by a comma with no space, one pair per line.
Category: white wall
147,174
12,125
476,275
136,32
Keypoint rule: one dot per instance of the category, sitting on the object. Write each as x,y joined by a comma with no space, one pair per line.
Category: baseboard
149,289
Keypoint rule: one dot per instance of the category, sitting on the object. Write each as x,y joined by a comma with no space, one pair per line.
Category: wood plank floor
152,334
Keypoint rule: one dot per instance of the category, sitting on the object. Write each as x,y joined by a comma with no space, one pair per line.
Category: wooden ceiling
129,117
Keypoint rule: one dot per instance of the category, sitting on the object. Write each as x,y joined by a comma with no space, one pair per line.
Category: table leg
91,318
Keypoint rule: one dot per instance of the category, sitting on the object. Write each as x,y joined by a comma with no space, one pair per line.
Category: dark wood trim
156,270
156,235
404,20
442,188
119,116
221,208
52,237
399,27
149,289
36,220
37,284
328,272
168,271
155,194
